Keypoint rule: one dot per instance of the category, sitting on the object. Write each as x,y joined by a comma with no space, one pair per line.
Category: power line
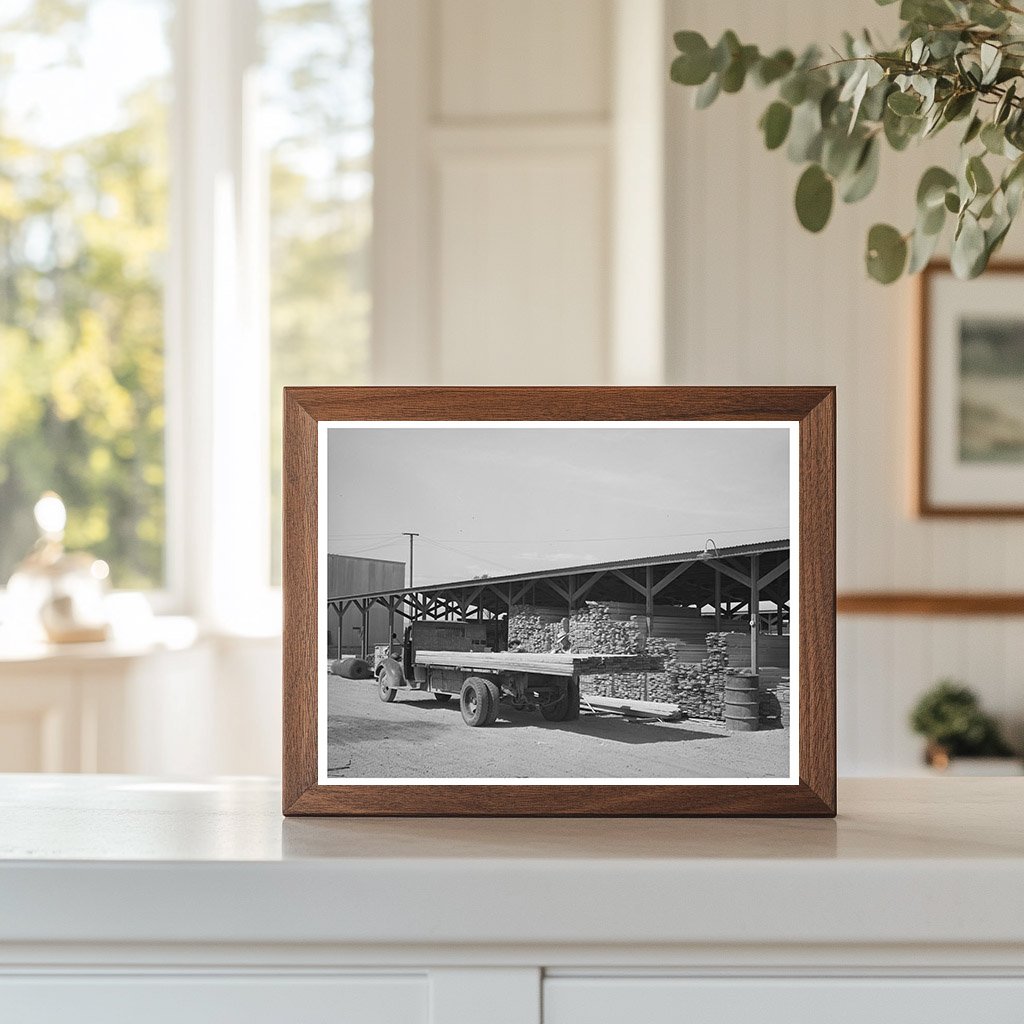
593,540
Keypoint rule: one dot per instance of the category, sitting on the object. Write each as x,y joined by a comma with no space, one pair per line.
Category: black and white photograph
558,602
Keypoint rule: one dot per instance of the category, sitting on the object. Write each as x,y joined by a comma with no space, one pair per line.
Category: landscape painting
558,602
991,389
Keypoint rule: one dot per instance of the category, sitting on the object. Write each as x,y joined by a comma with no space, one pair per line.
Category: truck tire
568,707
477,701
442,698
385,692
572,712
495,702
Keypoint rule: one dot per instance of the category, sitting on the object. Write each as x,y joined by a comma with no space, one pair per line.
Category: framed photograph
559,601
970,450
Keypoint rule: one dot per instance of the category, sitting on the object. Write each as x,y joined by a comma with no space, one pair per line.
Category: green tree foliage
957,61
82,229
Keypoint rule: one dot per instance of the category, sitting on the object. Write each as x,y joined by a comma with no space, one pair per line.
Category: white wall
754,299
499,166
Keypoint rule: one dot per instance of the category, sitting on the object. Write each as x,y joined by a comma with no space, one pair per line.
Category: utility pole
405,533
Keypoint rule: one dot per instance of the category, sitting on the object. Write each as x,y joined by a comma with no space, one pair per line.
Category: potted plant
950,718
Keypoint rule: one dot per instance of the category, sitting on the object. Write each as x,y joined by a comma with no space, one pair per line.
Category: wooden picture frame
810,790
933,477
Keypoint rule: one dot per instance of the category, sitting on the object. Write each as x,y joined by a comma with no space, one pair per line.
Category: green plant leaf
993,138
725,49
775,124
693,65
886,254
707,93
865,173
904,103
814,194
771,69
805,133
978,176
794,88
931,191
922,247
968,256
952,202
973,130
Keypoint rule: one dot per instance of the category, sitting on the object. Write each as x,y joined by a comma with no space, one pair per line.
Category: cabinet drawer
661,1000
202,999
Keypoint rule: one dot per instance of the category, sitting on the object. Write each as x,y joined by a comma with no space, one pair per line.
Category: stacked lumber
594,629
534,629
774,696
772,650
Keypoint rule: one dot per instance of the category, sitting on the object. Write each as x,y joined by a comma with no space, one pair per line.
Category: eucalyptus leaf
707,93
931,190
775,124
968,248
993,138
886,253
978,176
904,103
814,195
771,69
922,247
865,173
805,133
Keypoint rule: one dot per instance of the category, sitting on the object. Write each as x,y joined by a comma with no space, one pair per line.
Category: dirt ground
416,737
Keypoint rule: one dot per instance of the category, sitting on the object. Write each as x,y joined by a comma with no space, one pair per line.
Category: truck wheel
385,692
572,712
555,712
567,709
476,701
442,698
495,701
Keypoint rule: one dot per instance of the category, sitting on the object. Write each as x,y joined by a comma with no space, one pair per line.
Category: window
239,217
317,116
83,235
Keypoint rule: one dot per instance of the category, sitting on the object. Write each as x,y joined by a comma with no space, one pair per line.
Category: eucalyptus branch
954,60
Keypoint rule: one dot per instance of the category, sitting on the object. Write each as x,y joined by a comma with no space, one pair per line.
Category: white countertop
120,859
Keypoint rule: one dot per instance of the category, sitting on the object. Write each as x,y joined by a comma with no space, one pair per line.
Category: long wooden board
543,664
660,710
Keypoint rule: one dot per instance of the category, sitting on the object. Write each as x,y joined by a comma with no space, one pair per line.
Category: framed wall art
559,601
970,444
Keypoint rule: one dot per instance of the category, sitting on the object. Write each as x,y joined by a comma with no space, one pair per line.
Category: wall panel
753,299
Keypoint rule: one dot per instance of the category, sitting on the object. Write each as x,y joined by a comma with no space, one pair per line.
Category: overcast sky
505,500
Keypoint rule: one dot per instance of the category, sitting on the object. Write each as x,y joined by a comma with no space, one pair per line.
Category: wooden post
391,620
649,614
340,609
364,615
755,603
718,601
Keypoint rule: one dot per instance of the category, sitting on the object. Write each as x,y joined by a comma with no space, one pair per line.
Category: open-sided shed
746,583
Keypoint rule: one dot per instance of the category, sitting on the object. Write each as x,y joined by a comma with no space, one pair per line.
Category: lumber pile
534,629
774,696
694,657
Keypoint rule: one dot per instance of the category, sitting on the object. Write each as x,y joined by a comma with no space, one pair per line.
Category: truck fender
391,671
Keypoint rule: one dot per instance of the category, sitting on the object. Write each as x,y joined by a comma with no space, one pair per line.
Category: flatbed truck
484,679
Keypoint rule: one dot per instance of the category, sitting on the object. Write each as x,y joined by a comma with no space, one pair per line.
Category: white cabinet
126,899
830,1000
201,999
